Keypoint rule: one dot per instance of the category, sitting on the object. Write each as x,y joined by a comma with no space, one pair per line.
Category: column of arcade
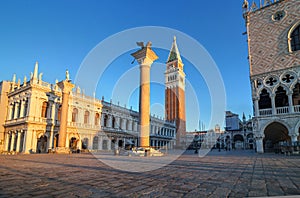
14,141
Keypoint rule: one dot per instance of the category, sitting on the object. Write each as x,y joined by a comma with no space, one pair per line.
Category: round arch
41,145
274,133
238,141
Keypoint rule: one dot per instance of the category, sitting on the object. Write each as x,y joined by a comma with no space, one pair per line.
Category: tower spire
174,52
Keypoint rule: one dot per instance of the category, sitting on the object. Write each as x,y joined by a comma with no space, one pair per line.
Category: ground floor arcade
41,141
275,133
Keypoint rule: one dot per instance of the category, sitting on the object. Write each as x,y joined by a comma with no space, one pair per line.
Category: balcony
26,119
297,109
264,112
280,110
82,125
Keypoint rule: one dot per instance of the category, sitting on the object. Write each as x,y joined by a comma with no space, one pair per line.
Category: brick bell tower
175,94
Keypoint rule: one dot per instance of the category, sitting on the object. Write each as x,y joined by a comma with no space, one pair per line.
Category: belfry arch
275,133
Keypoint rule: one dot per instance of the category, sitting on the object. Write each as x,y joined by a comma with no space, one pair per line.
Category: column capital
66,86
145,56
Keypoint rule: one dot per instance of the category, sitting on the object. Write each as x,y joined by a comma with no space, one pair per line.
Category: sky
60,35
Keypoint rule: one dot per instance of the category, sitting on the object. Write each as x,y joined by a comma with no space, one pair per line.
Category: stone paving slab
219,174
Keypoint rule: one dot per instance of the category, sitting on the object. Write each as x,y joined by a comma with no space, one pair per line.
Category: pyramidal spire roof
174,52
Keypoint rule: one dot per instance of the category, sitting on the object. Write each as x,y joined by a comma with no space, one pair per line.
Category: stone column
291,107
12,142
18,141
52,116
294,137
123,123
273,104
109,121
28,107
9,115
7,141
16,110
102,119
66,86
259,144
117,123
145,57
34,141
130,125
108,144
22,103
49,109
135,128
256,107
100,143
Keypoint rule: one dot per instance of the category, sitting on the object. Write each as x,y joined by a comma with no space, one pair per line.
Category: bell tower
175,93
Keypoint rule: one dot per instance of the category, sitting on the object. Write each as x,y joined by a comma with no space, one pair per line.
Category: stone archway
73,143
275,133
238,141
41,146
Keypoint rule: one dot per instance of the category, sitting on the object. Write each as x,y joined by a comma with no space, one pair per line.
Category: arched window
127,125
295,39
105,120
97,117
25,108
59,113
113,122
44,109
264,100
281,99
85,143
95,143
74,115
86,117
296,94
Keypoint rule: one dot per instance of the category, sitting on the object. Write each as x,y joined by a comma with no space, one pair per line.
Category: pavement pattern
219,174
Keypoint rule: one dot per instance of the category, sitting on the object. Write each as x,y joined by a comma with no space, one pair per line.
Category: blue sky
59,35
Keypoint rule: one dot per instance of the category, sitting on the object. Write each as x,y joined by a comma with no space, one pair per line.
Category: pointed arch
281,98
269,90
264,101
285,87
294,37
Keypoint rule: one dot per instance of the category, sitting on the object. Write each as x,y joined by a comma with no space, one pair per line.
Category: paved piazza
220,174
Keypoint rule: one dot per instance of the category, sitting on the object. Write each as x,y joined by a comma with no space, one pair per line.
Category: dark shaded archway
275,133
238,141
73,143
41,146
264,100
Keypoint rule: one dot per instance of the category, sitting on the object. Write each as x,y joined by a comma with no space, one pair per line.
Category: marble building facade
273,30
31,114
